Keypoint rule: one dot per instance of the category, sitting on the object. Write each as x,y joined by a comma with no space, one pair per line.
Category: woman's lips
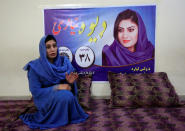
126,41
52,54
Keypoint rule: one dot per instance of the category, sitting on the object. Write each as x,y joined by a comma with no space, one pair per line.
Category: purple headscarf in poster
118,55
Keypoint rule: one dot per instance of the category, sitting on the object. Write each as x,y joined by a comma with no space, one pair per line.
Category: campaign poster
98,40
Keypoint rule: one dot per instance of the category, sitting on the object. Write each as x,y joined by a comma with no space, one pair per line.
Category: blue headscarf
117,55
52,72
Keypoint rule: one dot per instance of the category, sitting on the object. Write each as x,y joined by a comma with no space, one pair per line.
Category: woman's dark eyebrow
120,27
132,26
127,27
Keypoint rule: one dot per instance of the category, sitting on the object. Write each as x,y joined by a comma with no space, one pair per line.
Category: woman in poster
131,44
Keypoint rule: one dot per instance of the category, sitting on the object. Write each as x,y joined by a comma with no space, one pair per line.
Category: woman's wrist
65,86
55,87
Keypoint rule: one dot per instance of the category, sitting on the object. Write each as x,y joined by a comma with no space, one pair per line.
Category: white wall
21,27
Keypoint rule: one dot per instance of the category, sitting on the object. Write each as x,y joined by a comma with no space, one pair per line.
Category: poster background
88,16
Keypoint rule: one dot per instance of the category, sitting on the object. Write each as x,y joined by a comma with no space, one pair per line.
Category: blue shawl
53,72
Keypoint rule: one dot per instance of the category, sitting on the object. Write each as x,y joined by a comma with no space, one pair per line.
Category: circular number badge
64,51
84,57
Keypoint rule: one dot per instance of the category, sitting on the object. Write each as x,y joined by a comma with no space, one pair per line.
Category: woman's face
128,34
51,49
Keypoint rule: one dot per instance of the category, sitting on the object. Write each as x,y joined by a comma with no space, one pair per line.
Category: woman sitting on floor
53,87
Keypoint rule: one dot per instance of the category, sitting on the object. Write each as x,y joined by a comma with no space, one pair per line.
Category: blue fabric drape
55,107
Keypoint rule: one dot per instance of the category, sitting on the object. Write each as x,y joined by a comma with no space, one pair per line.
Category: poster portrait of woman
130,44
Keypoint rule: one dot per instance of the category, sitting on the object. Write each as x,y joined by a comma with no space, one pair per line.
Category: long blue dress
55,107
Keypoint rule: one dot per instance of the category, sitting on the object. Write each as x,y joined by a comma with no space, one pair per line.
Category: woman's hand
71,77
64,87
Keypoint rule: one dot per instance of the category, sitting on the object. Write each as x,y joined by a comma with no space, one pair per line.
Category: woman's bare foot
89,112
